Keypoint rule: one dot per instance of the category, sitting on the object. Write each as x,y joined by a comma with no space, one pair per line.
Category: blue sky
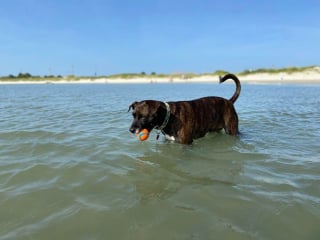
85,37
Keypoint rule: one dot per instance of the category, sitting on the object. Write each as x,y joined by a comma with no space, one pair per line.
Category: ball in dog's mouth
142,135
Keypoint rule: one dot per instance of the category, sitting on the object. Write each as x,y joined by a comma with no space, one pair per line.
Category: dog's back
203,115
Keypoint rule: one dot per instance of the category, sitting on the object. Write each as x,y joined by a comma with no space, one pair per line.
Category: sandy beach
310,76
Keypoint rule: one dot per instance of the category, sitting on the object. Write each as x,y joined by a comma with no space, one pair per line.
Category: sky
105,37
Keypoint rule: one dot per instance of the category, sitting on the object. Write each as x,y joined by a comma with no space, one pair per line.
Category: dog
184,121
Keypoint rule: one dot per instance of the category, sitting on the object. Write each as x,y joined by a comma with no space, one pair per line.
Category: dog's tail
238,85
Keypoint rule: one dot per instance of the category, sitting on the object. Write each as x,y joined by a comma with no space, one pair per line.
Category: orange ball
143,135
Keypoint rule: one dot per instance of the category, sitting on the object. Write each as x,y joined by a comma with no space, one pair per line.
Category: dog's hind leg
231,125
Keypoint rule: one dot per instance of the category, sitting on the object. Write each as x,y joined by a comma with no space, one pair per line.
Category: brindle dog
184,121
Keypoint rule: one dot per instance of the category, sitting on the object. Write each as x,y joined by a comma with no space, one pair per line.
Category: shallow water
70,169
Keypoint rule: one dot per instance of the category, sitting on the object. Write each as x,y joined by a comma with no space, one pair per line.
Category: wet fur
189,119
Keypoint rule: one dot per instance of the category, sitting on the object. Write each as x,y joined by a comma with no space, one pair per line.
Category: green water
70,169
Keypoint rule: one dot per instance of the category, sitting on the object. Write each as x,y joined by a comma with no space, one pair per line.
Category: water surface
70,169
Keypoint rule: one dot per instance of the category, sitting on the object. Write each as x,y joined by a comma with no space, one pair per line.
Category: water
70,169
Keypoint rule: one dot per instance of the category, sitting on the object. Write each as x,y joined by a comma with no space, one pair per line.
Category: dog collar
166,120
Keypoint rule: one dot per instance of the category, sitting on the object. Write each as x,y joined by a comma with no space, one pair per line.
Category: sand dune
310,76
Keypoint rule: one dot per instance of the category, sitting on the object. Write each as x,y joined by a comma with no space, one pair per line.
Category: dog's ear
132,106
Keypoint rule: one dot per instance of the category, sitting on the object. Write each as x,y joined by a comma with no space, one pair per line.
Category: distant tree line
28,75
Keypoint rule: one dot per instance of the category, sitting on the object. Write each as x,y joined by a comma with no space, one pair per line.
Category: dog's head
147,114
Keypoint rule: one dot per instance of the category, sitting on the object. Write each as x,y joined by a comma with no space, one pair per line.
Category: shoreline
309,77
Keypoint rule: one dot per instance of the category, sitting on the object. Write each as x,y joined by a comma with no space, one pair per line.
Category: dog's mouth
138,130
134,130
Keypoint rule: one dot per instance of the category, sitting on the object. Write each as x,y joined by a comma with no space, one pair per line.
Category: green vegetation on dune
30,77
288,70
